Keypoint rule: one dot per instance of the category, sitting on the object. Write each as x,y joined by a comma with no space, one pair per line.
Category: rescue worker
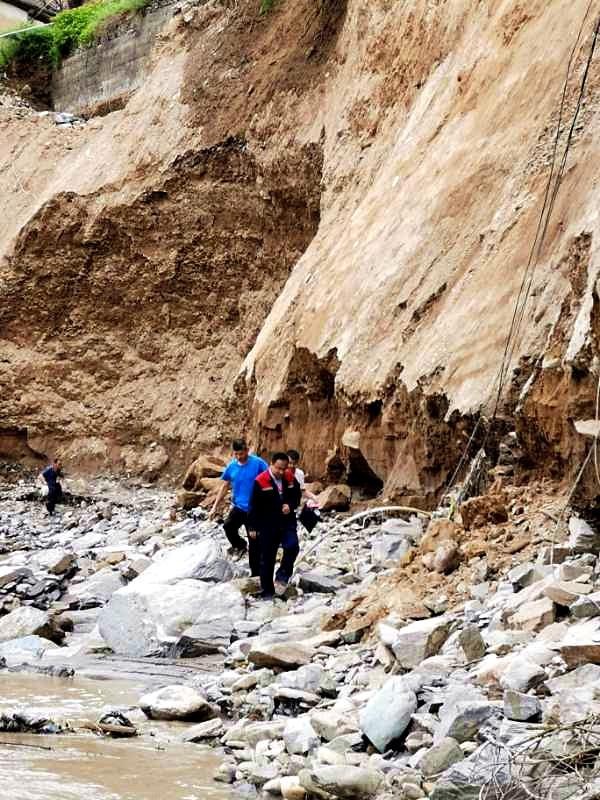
240,473
272,520
51,475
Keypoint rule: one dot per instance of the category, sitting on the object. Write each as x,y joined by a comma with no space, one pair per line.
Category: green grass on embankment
70,29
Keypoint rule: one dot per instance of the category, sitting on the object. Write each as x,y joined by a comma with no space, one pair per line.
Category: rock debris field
487,687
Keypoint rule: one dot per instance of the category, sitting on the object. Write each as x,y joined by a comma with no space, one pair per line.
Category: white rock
204,561
534,616
299,736
522,675
420,640
387,714
329,724
176,702
142,620
352,783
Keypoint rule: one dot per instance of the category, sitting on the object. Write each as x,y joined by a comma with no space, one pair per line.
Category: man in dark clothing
240,473
275,497
51,475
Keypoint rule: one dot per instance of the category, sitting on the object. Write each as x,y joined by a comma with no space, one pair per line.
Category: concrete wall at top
10,16
99,79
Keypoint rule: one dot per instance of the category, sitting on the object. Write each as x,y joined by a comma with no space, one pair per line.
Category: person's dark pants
291,548
269,545
235,519
54,497
270,542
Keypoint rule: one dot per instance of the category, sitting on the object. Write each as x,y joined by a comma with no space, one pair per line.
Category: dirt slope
397,152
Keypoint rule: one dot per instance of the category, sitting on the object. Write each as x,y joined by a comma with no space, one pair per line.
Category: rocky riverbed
411,658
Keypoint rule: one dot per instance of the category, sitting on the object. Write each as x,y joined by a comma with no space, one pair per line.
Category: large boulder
388,713
29,621
144,619
204,561
353,783
534,616
335,498
176,702
202,467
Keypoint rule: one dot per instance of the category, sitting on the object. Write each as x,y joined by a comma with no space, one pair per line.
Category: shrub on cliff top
69,30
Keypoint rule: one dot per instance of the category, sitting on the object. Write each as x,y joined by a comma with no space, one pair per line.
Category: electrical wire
550,194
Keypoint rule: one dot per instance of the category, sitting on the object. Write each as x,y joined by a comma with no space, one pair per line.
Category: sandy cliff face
356,183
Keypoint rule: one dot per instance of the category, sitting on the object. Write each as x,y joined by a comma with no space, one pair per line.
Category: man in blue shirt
51,475
241,472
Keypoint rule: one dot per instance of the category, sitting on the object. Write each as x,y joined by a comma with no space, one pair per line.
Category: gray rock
56,560
472,643
176,702
29,621
330,724
520,707
314,581
564,593
420,640
353,783
299,736
534,616
440,757
582,537
212,636
211,729
464,779
387,714
582,676
390,548
97,589
285,655
307,679
463,720
586,607
256,732
11,574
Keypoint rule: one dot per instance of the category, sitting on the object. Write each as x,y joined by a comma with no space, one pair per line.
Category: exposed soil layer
312,224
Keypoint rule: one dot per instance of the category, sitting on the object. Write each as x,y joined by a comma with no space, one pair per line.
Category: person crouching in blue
275,497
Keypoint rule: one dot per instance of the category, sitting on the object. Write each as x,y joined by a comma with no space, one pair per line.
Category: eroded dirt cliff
358,185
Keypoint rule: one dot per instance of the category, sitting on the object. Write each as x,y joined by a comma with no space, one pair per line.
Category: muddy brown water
156,765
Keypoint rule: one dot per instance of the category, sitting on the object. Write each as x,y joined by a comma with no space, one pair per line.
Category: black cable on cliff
550,195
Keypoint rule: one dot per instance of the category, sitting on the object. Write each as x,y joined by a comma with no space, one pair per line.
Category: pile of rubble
410,658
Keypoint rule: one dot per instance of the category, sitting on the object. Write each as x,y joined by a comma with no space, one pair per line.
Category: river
156,765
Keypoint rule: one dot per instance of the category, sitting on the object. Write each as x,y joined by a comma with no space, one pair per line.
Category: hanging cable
551,191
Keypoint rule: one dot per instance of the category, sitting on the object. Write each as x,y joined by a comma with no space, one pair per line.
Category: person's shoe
265,596
280,588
